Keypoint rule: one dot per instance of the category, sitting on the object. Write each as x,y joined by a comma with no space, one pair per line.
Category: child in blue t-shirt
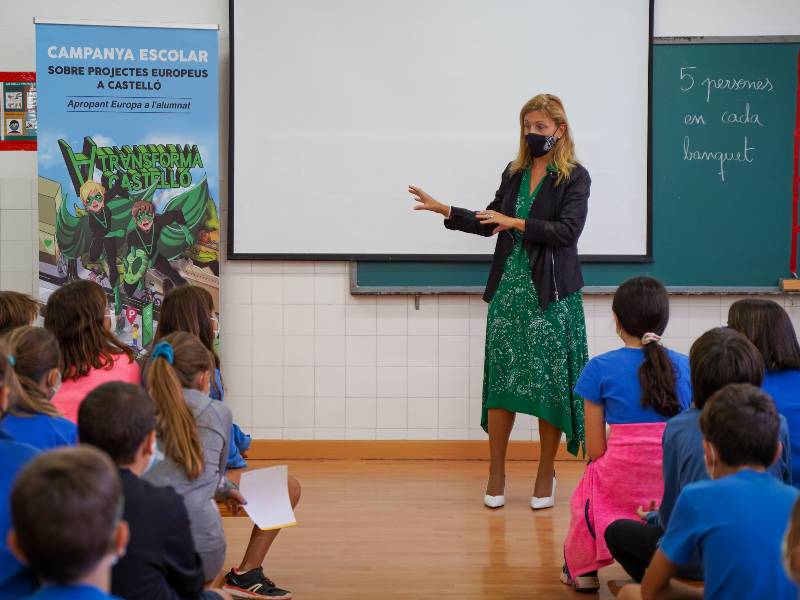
766,324
735,521
718,357
32,418
73,549
635,390
15,579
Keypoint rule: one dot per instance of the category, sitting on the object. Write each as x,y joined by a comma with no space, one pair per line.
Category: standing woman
535,331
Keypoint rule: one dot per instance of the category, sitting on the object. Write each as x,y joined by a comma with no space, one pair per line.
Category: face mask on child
711,469
156,456
56,385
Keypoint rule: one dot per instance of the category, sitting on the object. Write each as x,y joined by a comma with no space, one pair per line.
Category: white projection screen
338,105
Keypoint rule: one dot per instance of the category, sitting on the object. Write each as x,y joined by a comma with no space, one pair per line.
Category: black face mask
539,145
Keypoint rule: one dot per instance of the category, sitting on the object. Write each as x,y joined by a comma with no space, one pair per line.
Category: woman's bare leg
549,438
500,424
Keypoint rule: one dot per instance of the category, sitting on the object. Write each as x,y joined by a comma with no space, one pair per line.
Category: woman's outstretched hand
426,202
502,222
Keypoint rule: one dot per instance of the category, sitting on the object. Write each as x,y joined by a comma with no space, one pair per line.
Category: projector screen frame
231,254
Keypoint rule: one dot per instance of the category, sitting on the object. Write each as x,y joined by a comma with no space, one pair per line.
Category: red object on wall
796,177
25,110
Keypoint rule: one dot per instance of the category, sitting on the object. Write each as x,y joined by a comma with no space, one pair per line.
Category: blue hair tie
164,348
11,360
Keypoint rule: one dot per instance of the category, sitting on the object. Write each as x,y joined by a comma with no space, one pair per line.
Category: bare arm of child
658,582
595,429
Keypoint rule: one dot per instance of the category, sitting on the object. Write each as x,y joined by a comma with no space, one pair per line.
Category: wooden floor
418,529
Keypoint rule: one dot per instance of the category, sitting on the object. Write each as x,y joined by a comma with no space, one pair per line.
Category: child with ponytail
193,435
634,390
32,418
16,581
190,308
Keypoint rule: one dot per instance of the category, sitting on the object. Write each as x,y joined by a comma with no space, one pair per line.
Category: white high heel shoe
494,501
546,502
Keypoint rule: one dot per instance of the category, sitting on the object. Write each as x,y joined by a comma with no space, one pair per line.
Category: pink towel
627,476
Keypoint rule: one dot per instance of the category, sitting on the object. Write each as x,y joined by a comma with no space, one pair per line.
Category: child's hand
643,513
235,501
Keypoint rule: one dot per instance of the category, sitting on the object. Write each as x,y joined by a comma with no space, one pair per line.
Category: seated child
76,314
190,308
634,390
735,521
193,435
791,545
32,418
66,511
15,580
160,562
718,357
766,324
17,310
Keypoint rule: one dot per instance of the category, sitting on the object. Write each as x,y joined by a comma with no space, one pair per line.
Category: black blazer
552,229
160,562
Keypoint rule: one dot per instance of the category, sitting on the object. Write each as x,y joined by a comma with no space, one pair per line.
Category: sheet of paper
267,494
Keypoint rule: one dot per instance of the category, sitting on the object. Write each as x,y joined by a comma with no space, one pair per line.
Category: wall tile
268,411
361,413
361,382
392,318
329,319
329,350
298,411
392,350
361,319
330,381
392,413
267,288
329,412
392,381
453,350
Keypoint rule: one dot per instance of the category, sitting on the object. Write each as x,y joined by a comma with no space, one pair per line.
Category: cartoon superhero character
104,236
205,251
143,245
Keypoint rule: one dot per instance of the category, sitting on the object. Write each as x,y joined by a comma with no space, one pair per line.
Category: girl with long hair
77,315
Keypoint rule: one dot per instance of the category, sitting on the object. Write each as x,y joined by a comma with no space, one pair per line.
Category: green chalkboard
723,121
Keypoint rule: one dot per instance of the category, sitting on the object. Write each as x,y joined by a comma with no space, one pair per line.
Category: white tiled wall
303,359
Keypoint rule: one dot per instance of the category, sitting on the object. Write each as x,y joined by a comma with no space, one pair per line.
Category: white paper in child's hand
267,494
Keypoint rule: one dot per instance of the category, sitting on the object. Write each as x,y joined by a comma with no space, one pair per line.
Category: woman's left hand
503,222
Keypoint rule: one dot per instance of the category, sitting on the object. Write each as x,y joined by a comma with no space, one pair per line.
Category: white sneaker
547,502
494,501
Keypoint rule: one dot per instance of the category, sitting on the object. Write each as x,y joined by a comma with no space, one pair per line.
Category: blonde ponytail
177,362
36,353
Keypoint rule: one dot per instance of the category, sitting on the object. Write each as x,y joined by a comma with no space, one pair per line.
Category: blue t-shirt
737,523
71,592
612,379
217,391
15,580
684,463
784,387
41,431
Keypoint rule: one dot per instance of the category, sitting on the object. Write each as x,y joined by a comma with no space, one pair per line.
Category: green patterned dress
534,357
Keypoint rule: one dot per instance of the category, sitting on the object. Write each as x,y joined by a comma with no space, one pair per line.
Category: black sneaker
253,584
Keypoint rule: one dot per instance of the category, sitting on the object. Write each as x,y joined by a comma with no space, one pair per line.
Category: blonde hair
563,154
90,188
36,353
175,421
